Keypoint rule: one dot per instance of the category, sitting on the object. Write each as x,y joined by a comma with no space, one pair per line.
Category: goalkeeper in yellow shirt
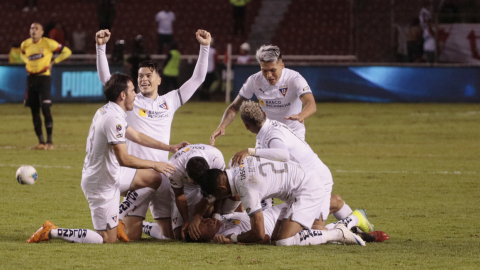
37,53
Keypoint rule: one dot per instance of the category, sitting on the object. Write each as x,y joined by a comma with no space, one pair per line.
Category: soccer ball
27,175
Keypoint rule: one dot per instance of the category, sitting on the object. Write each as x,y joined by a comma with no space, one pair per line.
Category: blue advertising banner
69,83
384,83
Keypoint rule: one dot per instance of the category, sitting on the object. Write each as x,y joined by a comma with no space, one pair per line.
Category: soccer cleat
349,238
380,236
121,235
40,146
42,234
363,223
49,146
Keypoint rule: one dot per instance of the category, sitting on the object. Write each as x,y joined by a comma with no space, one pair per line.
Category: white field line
36,166
407,172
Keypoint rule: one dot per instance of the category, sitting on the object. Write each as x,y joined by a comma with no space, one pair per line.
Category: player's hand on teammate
176,147
296,117
219,132
203,37
163,167
238,157
194,228
102,36
221,239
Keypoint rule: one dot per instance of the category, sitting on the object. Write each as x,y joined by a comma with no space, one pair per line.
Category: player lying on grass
152,115
276,141
256,179
106,151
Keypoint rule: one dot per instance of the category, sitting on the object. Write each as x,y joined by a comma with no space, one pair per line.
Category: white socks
350,221
153,230
133,199
344,212
304,238
77,236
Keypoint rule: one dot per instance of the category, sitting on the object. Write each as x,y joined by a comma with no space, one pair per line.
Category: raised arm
227,118
187,90
101,38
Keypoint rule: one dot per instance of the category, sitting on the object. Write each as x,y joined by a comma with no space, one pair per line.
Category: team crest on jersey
163,106
142,112
119,127
261,102
283,90
114,218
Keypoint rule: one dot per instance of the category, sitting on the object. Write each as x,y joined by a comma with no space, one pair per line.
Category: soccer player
37,52
256,179
152,115
276,141
280,91
106,151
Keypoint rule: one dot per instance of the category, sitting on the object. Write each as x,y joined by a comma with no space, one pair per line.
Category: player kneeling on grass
256,179
106,152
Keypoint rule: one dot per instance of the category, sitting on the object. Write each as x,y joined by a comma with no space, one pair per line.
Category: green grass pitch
414,167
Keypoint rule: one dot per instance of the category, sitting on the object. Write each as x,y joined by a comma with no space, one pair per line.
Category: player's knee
286,242
336,203
46,108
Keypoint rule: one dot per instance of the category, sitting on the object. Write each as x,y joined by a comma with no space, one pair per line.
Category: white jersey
100,170
153,118
274,132
239,222
212,155
165,22
257,179
280,100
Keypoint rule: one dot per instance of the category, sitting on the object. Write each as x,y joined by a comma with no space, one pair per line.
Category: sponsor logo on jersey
236,221
163,106
35,56
119,127
102,111
156,114
248,210
142,112
119,135
275,104
114,218
283,90
187,149
261,102
306,88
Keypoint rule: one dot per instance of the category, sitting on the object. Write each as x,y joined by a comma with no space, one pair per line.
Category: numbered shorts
104,209
193,197
305,204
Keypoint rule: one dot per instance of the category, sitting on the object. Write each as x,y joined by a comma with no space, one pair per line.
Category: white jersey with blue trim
279,100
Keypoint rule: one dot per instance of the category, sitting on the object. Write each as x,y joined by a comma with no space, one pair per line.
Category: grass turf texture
414,167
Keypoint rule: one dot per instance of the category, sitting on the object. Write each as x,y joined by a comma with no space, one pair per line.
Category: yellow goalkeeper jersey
39,55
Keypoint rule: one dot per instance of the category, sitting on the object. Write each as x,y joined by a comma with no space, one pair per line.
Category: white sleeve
247,89
301,86
187,90
277,150
102,64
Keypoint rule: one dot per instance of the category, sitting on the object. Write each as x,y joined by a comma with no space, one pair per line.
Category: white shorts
193,197
326,177
305,204
125,177
270,217
160,202
104,209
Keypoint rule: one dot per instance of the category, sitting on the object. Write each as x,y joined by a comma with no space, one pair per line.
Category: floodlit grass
414,167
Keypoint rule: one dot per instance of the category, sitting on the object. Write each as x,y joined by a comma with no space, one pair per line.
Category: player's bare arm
144,140
203,37
256,234
200,209
309,108
227,118
126,160
102,37
182,206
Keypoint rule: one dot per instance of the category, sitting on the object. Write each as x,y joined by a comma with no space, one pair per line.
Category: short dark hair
210,181
116,85
152,65
196,167
201,239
